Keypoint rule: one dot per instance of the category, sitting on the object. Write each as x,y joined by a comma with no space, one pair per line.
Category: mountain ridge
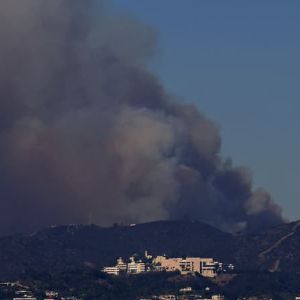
56,249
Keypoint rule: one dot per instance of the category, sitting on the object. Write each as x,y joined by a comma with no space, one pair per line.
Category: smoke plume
88,134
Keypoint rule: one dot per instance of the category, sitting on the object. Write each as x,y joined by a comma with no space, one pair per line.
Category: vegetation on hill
91,284
53,250
71,257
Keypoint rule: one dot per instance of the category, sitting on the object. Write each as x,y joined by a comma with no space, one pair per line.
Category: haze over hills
88,132
61,248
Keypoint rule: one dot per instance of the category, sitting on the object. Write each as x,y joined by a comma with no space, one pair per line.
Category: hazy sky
239,62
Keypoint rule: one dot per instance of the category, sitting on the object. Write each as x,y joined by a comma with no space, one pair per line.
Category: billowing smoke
88,134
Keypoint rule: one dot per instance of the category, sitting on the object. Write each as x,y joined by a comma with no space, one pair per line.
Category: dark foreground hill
276,249
59,249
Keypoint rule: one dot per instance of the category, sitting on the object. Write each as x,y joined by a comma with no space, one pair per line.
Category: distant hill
58,249
275,249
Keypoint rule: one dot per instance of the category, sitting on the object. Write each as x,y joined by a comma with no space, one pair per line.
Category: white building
25,298
186,289
111,270
135,267
121,265
167,297
132,267
24,294
208,268
217,297
205,266
51,294
147,255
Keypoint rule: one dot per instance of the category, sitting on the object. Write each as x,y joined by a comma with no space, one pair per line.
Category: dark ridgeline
88,134
61,248
64,248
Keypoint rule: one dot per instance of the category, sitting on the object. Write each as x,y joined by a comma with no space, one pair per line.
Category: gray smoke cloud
88,134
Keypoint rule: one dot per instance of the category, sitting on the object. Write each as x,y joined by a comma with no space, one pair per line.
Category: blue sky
239,62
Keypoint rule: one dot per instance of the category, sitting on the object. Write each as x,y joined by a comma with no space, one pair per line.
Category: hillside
58,249
275,249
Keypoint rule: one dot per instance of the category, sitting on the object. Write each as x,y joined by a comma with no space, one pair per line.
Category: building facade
204,266
135,267
112,270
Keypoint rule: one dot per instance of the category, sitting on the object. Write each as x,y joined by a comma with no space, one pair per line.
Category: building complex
207,267
133,267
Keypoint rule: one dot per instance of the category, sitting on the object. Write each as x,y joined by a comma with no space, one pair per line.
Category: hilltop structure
207,267
132,267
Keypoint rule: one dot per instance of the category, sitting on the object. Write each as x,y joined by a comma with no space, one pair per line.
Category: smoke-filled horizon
88,134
